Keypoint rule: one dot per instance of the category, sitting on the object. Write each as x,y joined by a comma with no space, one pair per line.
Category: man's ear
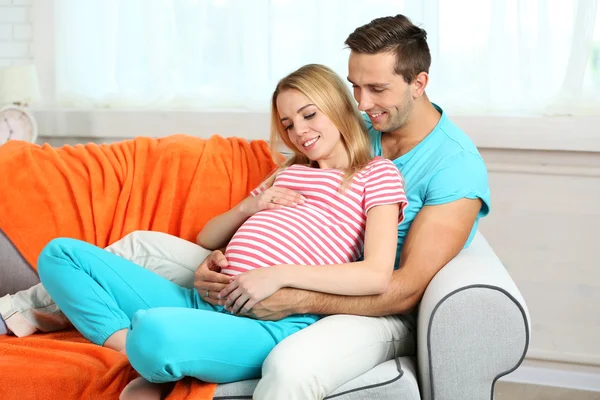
419,84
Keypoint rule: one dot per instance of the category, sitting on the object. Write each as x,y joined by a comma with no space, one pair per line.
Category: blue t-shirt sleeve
463,176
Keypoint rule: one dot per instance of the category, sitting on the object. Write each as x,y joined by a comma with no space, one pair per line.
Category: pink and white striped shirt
329,228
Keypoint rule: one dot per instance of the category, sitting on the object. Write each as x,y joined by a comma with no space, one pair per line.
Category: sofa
473,326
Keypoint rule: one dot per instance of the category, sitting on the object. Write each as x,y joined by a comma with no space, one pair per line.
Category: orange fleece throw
100,193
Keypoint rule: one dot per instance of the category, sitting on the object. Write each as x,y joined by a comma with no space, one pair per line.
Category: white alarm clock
16,123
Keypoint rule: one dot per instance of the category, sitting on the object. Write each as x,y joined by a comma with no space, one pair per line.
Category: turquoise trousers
172,331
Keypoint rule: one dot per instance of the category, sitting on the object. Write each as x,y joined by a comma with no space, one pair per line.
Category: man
447,188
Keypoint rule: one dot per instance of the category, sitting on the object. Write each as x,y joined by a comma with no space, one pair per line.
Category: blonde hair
328,92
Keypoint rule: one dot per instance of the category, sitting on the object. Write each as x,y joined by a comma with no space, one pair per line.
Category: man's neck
399,142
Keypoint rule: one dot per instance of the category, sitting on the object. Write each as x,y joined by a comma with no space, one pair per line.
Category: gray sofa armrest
15,272
473,326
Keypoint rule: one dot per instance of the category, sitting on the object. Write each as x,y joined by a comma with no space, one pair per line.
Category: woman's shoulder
379,168
379,163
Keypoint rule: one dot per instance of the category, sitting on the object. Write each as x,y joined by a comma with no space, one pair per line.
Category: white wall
544,226
16,32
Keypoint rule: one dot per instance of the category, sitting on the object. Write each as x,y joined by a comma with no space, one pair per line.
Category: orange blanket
100,193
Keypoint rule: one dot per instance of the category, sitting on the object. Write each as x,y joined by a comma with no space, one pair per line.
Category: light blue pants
173,332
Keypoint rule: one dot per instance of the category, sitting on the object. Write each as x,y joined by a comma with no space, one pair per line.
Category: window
490,57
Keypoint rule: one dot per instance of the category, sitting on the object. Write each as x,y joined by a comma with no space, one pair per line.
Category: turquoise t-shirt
444,167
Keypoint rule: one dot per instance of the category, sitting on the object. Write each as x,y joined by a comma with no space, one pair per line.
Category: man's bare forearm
398,299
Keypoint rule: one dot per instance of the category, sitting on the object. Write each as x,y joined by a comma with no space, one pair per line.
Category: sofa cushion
394,379
17,274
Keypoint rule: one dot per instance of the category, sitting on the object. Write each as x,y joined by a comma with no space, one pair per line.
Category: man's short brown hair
396,35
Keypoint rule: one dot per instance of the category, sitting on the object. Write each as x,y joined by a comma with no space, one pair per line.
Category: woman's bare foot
141,389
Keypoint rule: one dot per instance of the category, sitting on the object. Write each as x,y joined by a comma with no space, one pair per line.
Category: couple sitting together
352,226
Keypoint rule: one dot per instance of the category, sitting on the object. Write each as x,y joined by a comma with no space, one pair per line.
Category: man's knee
126,246
137,237
284,375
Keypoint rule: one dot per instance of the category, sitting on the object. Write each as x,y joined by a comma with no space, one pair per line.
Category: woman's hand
208,279
249,288
273,197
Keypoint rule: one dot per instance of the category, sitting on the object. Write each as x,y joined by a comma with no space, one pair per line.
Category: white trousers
315,361
307,365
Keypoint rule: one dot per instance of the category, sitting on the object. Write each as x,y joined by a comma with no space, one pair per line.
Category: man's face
379,91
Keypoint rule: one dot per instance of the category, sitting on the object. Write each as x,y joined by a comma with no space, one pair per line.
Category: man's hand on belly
251,287
278,306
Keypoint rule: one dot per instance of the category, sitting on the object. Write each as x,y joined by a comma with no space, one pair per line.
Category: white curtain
507,57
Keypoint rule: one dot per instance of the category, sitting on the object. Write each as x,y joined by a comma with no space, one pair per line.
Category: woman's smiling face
310,130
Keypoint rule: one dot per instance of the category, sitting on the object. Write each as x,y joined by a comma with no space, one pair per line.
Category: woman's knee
54,250
148,346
